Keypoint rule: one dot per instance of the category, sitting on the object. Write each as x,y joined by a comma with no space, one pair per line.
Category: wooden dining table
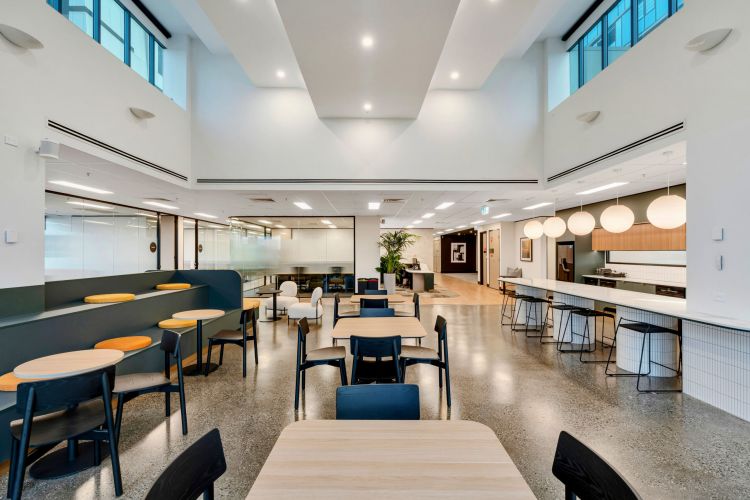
366,459
407,327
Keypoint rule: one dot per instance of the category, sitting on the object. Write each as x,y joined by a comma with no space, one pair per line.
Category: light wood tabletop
68,363
406,326
389,459
199,314
392,299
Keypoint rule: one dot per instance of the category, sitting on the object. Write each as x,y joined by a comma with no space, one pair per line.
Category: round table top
68,363
269,291
199,314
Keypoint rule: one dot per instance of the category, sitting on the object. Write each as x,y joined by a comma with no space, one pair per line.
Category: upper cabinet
640,237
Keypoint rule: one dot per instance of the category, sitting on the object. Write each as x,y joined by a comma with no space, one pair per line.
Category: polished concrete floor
668,445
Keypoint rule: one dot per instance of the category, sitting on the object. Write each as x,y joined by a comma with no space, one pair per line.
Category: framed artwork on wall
458,253
526,250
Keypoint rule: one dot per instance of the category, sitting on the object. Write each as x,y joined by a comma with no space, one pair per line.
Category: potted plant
394,243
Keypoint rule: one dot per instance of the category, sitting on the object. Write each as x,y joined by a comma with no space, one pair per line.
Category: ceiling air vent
497,200
262,200
387,201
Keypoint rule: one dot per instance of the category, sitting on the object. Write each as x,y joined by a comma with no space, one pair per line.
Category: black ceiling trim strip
633,145
164,31
104,145
581,20
367,181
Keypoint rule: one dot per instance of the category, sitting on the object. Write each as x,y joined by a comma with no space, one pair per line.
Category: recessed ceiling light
302,205
461,226
160,205
207,216
449,229
373,205
500,216
81,187
602,188
86,204
264,221
280,74
428,215
418,221
455,75
409,227
474,223
440,232
538,205
326,221
367,107
280,226
367,41
444,205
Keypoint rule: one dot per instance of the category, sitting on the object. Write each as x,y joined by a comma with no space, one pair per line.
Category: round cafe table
274,292
75,457
199,315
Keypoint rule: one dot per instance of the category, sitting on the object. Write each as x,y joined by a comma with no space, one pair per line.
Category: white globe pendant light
554,227
581,223
533,229
617,219
667,212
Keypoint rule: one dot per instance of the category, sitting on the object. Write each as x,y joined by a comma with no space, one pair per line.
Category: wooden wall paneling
640,237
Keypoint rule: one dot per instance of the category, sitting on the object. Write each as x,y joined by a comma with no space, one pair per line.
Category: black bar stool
559,306
509,301
532,304
588,314
646,329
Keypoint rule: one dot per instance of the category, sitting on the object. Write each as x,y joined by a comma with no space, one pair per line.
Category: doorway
483,260
493,258
566,261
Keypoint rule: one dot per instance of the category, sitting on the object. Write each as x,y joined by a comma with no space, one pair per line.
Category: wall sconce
142,114
20,38
709,40
49,149
588,117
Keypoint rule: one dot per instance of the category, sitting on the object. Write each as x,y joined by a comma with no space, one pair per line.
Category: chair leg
244,356
303,379
113,450
20,468
183,409
167,403
448,383
221,355
342,369
208,357
118,417
296,388
13,464
255,346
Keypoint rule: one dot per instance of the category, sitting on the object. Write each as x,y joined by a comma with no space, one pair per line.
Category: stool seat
9,382
109,298
124,344
589,313
173,286
250,303
648,328
564,307
177,323
535,300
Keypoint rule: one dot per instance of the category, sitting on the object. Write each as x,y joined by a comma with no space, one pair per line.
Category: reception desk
421,281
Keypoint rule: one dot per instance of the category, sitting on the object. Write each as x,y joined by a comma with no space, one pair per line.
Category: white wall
245,132
422,249
366,251
667,84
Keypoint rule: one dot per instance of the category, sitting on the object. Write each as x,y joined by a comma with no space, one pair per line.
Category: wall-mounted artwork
458,253
526,250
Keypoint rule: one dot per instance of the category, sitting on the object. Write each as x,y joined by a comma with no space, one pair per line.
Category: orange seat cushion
108,298
124,344
248,304
9,382
173,286
177,323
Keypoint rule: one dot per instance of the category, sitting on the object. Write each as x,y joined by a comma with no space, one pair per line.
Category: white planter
389,282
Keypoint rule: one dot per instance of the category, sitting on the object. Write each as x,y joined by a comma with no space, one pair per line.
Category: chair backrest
365,312
170,342
441,327
288,289
373,303
49,395
585,474
416,305
376,347
317,294
377,402
193,472
376,292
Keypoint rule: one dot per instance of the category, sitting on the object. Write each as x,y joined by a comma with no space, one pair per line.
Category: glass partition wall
211,248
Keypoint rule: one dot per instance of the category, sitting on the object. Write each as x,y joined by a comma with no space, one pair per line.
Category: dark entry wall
469,239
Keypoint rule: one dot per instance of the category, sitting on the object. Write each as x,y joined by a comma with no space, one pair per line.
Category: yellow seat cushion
177,323
107,298
250,304
9,382
173,286
124,344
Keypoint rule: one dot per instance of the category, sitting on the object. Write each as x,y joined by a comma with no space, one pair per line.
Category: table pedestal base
57,464
194,371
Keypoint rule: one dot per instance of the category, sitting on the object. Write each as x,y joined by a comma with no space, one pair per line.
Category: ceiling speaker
49,149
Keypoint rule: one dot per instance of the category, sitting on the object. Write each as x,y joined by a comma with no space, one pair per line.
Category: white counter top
668,306
637,280
419,271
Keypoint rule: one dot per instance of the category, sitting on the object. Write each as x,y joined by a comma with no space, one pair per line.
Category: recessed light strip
80,187
444,205
602,188
538,205
160,205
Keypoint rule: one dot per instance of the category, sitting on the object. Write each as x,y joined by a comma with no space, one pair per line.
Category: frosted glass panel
213,246
660,258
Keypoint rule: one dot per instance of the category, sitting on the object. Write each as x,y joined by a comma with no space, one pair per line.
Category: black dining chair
415,299
373,303
193,472
70,408
586,475
132,385
377,313
412,355
331,356
378,402
376,292
337,314
364,371
237,337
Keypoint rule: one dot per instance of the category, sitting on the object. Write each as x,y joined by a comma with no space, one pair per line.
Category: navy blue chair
331,356
412,355
337,313
373,303
586,475
415,298
380,370
193,472
378,402
377,313
376,292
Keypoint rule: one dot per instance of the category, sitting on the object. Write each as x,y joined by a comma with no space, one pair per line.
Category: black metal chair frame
336,315
378,348
241,343
638,327
303,364
586,334
441,328
531,304
170,344
44,397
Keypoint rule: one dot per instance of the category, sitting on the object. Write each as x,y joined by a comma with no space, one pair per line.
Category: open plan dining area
282,249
